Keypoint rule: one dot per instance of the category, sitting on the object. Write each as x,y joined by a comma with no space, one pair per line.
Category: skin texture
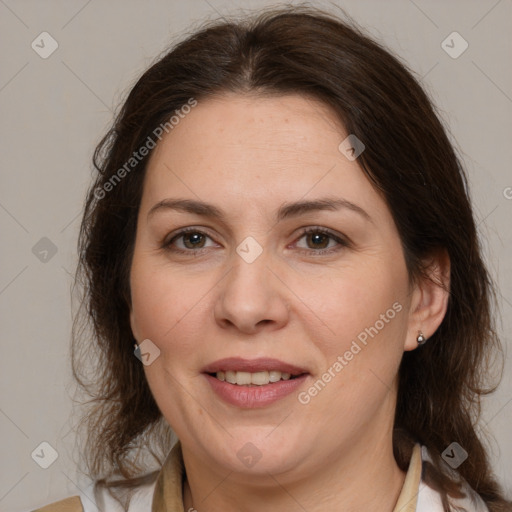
248,155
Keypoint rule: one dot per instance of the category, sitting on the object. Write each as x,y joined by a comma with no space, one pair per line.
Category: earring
421,339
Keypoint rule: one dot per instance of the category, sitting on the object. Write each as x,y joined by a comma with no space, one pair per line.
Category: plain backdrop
54,111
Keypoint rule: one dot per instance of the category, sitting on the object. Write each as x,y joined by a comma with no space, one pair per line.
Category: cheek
360,301
364,309
373,320
161,302
368,305
171,308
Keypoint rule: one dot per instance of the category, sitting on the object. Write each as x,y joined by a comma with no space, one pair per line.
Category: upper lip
252,365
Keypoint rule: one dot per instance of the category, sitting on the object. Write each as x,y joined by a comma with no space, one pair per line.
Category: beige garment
73,504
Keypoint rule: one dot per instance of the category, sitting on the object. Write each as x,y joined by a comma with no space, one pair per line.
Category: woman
280,231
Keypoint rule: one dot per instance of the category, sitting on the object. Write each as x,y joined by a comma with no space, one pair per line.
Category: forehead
257,148
281,123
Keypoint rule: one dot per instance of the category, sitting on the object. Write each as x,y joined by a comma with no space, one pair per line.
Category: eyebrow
286,211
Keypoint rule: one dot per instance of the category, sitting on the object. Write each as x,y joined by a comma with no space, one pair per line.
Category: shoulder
72,504
429,500
87,501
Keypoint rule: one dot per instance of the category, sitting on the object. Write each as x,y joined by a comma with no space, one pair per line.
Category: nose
251,297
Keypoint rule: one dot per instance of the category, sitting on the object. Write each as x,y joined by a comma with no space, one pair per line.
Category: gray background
54,111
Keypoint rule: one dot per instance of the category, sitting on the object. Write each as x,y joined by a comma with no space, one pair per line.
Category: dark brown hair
408,158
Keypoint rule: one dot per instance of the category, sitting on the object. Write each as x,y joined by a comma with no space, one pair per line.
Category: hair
408,159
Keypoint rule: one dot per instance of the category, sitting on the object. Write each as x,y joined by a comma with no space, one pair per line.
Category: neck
364,476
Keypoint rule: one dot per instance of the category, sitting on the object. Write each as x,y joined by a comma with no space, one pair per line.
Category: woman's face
247,283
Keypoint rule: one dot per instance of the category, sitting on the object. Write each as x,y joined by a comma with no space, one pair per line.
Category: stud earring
421,339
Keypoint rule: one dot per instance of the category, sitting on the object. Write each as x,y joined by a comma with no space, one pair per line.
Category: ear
430,296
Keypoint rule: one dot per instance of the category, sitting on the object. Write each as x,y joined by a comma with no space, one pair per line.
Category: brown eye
320,241
193,240
187,241
317,240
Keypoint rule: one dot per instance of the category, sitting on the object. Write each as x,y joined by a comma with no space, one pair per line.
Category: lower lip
249,397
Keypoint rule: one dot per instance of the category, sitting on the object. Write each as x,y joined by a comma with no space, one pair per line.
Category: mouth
255,390
262,378
253,372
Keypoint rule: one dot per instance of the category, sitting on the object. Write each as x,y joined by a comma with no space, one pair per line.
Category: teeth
256,379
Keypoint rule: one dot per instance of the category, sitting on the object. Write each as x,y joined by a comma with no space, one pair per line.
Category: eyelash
167,245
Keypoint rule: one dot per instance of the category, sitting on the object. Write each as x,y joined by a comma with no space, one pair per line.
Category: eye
187,240
319,241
